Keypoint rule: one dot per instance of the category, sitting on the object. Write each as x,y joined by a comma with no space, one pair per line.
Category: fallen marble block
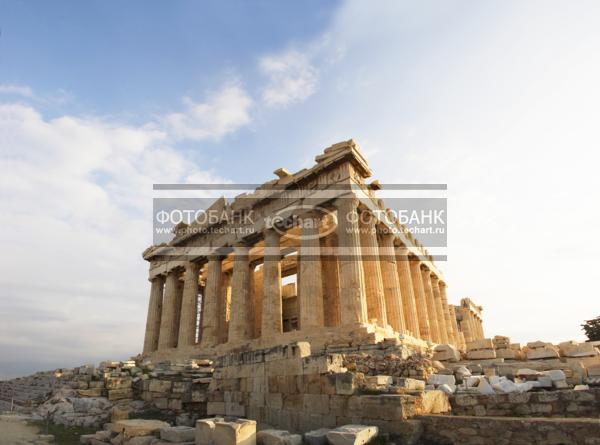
352,435
138,427
277,437
317,437
178,434
441,379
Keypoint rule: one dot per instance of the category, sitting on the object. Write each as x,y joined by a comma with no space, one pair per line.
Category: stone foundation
562,403
468,430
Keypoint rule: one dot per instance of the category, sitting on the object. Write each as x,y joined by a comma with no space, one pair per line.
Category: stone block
235,432
120,394
555,374
352,435
277,437
274,400
540,353
433,402
593,370
380,380
161,402
160,386
483,387
93,392
441,379
175,404
345,383
117,414
235,409
317,437
509,354
481,354
316,403
215,408
178,434
138,427
446,353
573,349
205,429
484,343
410,384
118,383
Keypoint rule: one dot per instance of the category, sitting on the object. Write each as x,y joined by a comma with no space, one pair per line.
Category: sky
101,99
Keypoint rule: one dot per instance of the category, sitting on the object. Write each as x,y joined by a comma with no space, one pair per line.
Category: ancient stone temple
311,256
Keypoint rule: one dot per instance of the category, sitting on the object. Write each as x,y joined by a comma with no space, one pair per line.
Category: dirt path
15,431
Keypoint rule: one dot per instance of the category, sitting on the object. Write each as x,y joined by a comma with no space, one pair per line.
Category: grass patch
62,435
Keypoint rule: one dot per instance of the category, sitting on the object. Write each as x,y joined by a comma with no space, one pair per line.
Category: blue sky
99,100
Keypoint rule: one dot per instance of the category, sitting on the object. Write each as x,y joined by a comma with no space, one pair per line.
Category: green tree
592,329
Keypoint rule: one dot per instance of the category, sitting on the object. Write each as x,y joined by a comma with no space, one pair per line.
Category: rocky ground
15,430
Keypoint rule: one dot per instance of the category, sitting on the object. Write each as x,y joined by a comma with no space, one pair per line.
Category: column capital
402,250
271,234
215,257
241,248
346,201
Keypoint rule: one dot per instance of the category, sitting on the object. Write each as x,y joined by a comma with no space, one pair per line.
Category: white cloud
291,78
76,215
16,90
222,113
501,104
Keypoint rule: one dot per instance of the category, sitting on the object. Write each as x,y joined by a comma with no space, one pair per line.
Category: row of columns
373,279
470,324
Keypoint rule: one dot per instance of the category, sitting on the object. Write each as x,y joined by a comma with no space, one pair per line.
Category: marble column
391,284
331,277
447,315
409,301
272,305
169,321
212,294
431,311
239,326
256,287
376,309
310,284
189,306
439,309
154,314
455,329
465,325
420,299
224,306
353,303
480,328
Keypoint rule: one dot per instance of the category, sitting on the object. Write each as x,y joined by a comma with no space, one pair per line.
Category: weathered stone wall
562,403
286,387
467,430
